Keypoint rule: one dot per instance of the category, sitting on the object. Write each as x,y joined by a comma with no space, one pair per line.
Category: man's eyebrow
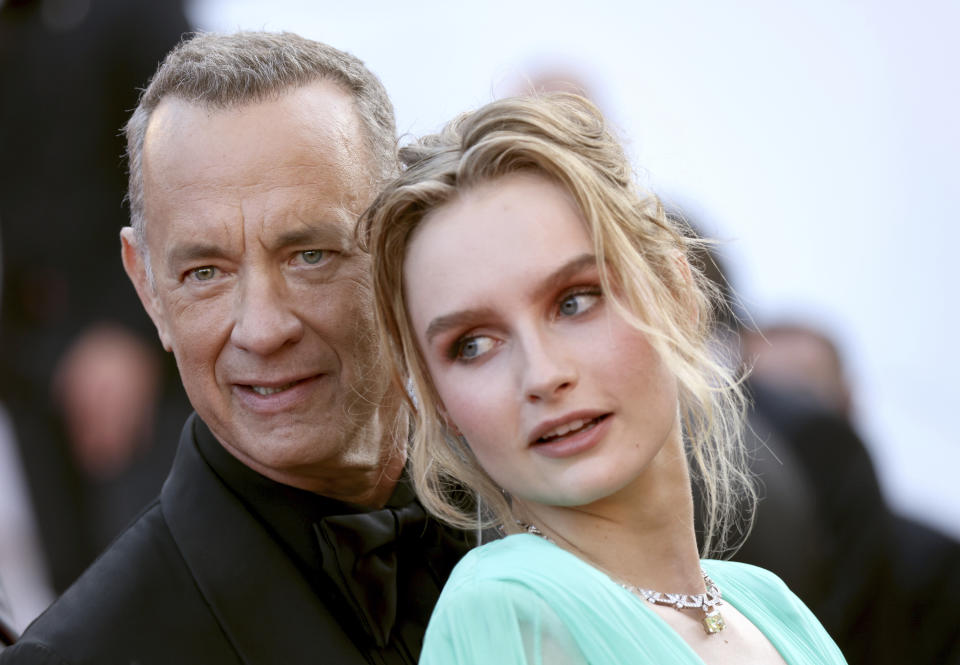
194,251
189,252
308,235
468,317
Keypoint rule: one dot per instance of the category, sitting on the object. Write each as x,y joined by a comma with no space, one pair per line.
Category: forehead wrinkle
323,171
323,180
311,213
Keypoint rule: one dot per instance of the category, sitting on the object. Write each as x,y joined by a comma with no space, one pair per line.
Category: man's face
259,289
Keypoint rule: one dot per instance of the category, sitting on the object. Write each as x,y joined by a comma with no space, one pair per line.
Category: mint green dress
524,601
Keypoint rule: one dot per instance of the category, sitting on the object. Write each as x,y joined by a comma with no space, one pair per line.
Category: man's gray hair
222,71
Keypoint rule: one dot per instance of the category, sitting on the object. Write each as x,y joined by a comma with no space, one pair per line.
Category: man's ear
133,263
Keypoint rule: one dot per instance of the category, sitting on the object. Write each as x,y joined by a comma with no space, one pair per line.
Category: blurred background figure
7,633
25,588
883,585
81,375
795,357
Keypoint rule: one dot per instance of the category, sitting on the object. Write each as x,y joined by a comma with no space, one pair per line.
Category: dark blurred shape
884,587
796,357
88,393
7,634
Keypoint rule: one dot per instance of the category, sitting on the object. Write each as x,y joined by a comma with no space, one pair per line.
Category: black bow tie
360,556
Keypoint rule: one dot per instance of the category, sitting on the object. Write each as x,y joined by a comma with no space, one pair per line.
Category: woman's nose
549,369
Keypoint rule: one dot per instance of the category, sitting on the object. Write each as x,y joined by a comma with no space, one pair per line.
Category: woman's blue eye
577,303
203,274
473,347
312,256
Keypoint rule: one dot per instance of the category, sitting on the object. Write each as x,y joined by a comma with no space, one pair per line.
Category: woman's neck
642,535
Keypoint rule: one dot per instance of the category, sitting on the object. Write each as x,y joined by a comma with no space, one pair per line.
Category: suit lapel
266,608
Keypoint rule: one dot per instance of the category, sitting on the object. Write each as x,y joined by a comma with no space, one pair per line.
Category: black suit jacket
195,579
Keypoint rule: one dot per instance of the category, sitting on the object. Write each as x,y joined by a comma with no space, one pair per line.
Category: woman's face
560,399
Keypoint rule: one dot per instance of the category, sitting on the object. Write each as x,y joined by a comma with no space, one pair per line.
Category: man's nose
265,319
549,369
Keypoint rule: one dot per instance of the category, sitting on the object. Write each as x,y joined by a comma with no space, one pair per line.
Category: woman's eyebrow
466,317
565,272
459,319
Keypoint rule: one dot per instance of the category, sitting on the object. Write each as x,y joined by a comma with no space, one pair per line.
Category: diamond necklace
709,603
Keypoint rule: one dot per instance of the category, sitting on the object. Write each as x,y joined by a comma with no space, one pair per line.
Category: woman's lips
557,427
572,437
573,426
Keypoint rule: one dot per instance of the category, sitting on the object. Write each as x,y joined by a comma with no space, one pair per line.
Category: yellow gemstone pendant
713,623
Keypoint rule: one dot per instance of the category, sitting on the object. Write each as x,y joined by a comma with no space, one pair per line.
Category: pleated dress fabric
523,600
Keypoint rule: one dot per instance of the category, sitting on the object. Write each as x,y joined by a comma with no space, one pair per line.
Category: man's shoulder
132,604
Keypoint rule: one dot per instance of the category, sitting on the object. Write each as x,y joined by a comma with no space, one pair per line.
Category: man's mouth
273,390
567,429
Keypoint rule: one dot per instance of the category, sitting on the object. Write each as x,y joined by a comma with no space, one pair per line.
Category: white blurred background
819,139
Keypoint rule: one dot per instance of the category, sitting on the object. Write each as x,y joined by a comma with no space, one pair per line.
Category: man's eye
471,348
203,274
578,303
312,256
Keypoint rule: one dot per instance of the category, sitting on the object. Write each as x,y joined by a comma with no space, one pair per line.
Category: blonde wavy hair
646,268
